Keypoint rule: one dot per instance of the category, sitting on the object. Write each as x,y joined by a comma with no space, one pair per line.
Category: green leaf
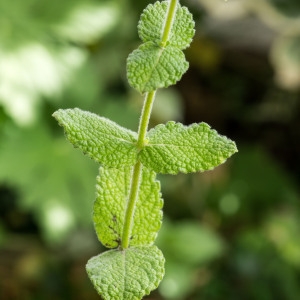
151,67
89,21
153,19
113,187
103,140
128,274
174,148
51,187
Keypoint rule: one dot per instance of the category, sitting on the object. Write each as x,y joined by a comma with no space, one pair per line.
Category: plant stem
137,170
145,117
142,131
133,196
169,22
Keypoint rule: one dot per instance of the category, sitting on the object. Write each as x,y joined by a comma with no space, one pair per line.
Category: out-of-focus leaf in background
289,8
31,72
282,230
41,48
282,18
187,247
286,60
43,169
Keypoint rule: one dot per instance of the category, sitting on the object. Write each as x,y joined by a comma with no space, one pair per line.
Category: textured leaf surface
113,188
150,67
103,140
175,148
126,275
153,19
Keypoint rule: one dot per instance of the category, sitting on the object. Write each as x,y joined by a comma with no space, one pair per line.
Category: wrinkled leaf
103,140
174,148
153,19
113,188
128,274
151,67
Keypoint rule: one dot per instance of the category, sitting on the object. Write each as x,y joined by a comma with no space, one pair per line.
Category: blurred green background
231,233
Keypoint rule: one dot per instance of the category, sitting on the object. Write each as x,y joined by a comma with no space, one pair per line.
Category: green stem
133,196
141,141
137,170
169,22
145,117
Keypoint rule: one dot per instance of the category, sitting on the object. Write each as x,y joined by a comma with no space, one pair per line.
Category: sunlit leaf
174,148
103,140
153,19
151,67
128,274
109,209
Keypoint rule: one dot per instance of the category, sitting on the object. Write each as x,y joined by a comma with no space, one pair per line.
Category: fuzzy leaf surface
103,140
153,19
128,274
151,67
113,186
174,148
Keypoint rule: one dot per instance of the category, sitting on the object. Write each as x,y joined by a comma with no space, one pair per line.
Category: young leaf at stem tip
151,67
157,64
152,21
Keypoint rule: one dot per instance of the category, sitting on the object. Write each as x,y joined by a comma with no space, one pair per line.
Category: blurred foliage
231,233
279,31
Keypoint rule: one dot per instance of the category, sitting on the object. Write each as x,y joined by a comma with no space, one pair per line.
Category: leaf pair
171,148
152,65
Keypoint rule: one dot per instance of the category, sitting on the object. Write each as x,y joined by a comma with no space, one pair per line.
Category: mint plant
128,208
